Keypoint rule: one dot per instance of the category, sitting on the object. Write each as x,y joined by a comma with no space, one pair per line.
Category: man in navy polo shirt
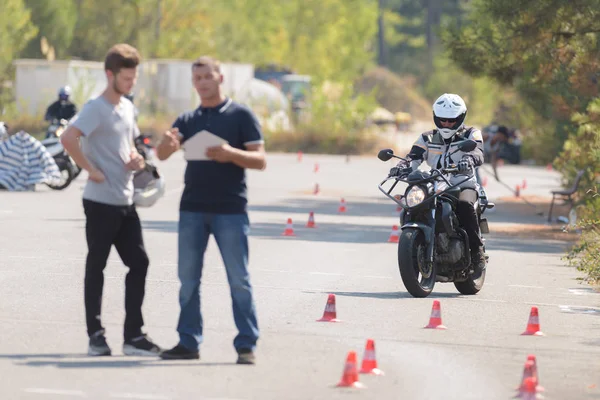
214,201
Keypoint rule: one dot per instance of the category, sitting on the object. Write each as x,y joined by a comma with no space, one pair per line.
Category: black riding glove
399,170
465,164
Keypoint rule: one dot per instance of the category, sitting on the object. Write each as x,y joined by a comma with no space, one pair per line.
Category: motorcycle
143,145
67,167
69,170
432,246
56,128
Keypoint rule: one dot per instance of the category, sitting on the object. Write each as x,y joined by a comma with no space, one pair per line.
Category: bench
565,195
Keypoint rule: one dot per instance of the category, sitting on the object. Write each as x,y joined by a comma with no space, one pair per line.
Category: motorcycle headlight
415,196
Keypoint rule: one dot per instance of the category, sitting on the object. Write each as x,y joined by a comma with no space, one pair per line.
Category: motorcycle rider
434,147
62,108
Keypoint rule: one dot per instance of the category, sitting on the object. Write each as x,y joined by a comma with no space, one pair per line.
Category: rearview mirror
385,154
467,145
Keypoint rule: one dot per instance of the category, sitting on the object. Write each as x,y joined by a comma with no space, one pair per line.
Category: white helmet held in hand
149,186
449,107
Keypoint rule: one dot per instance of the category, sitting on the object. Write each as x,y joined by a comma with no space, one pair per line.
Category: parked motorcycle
69,170
432,246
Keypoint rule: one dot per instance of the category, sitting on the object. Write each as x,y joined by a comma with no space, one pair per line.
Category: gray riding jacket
433,149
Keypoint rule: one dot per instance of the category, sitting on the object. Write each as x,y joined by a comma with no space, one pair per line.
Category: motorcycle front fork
431,244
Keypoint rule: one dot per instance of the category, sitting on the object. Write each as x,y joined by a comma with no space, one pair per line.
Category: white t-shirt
108,132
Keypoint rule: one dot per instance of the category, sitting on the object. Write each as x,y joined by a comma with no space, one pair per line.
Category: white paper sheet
195,147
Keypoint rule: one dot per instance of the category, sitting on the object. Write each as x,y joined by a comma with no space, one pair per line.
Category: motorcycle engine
449,250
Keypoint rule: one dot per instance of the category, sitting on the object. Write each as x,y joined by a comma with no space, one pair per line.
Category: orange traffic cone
299,156
350,374
289,229
316,189
330,314
369,362
517,191
311,220
435,321
342,207
394,238
529,391
549,167
533,325
530,371
524,184
316,167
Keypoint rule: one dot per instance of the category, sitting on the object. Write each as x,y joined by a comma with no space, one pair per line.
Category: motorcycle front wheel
418,277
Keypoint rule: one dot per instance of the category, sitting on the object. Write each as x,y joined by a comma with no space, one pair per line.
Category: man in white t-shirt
106,128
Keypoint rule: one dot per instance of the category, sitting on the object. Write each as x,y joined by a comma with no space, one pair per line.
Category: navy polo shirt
211,186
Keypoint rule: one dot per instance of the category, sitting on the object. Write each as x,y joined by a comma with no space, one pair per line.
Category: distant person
214,202
62,108
107,128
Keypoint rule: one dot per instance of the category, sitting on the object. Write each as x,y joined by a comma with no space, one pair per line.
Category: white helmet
449,107
65,91
149,186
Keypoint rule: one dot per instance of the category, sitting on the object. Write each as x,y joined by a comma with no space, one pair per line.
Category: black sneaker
180,353
140,346
246,356
98,345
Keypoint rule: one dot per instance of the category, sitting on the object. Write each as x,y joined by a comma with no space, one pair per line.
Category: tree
413,31
329,39
56,22
101,24
548,49
185,30
16,30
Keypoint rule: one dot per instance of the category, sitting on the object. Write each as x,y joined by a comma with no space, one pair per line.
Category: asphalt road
481,355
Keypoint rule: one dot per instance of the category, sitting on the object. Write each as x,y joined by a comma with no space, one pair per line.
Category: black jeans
120,226
467,215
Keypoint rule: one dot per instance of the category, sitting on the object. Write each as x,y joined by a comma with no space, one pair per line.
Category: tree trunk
382,51
432,21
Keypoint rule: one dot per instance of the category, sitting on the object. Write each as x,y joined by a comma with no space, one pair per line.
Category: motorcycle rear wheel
472,285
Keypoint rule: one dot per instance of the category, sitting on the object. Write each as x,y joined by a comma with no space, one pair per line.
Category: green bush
582,151
395,93
335,123
586,253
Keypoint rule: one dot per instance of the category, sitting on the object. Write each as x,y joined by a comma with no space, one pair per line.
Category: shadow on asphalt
324,232
74,360
521,245
382,208
388,295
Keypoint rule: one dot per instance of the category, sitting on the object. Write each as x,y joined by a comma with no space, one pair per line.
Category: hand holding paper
197,147
223,153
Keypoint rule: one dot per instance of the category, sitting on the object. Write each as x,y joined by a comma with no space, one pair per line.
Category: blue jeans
231,234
